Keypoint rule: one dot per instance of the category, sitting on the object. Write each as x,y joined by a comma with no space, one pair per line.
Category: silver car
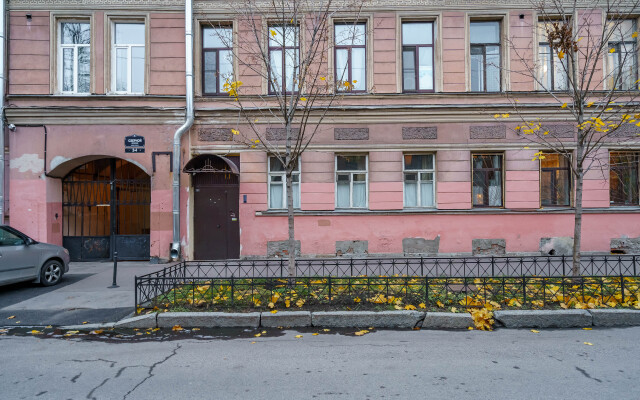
24,259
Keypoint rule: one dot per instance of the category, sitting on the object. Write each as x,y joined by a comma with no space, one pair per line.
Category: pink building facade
408,165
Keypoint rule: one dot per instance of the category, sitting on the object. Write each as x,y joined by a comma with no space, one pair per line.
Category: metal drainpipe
3,18
188,34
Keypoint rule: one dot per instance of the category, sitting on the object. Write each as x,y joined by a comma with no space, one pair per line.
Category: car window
9,239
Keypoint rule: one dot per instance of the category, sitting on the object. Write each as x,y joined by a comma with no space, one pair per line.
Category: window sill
436,211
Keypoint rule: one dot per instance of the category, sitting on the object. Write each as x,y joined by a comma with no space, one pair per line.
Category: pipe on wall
189,116
3,22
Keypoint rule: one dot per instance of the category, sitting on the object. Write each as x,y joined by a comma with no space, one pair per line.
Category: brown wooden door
216,219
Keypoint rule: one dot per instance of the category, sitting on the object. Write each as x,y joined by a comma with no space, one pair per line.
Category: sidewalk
81,296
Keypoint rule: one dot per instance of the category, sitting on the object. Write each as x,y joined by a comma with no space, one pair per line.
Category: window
622,62
351,181
552,69
278,184
623,178
351,56
487,180
74,57
555,180
485,56
8,238
418,180
128,55
217,59
284,54
417,56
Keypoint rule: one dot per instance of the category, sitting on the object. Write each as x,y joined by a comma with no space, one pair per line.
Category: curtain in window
276,194
410,191
276,70
495,189
493,68
426,194
358,65
342,57
343,193
359,194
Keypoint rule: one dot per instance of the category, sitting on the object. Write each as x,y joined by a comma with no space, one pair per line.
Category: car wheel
51,273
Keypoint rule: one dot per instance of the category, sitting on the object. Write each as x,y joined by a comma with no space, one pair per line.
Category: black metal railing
421,277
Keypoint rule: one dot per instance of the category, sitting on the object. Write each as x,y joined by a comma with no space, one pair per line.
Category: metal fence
420,278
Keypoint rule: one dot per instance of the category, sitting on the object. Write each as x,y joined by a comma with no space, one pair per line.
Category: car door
17,260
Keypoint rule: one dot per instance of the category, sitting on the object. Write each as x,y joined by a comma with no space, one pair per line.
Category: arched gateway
106,208
216,226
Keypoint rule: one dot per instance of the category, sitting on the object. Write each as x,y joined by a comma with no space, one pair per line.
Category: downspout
188,37
3,16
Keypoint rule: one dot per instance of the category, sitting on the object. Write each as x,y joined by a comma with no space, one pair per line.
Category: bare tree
587,63
282,48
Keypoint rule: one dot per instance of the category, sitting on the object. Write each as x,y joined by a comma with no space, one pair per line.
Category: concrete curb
140,321
381,319
291,319
543,318
88,327
359,319
615,317
209,320
447,320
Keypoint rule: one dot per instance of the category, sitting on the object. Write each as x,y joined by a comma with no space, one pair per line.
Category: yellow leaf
253,342
96,332
11,317
298,336
85,322
35,332
315,334
235,131
273,33
588,344
561,54
72,332
176,328
326,330
587,329
322,78
589,104
357,300
264,332
454,310
609,109
409,307
612,50
300,303
439,303
303,98
634,35
564,105
470,328
195,329
496,115
526,147
274,311
505,115
271,305
49,326
535,331
422,305
355,81
257,335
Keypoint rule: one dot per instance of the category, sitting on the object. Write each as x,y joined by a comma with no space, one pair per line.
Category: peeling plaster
56,161
27,163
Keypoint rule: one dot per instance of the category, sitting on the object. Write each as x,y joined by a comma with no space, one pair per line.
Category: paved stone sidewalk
81,296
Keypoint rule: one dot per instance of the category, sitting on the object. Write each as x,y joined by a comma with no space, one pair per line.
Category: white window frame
75,47
284,185
351,173
114,48
419,172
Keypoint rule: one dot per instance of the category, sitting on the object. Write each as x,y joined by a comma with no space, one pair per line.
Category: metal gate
106,208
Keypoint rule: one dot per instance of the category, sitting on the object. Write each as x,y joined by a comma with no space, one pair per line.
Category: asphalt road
505,364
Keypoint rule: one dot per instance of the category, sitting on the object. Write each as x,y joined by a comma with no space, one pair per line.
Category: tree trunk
577,229
292,237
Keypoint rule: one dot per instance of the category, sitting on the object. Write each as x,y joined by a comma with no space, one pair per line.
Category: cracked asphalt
504,364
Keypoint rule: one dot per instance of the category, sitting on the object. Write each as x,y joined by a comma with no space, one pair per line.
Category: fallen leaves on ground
298,336
96,332
482,319
535,331
361,333
588,344
35,332
11,317
177,328
587,329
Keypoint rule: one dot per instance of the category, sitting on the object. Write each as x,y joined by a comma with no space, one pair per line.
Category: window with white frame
128,57
485,56
419,185
74,57
278,184
552,70
351,181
